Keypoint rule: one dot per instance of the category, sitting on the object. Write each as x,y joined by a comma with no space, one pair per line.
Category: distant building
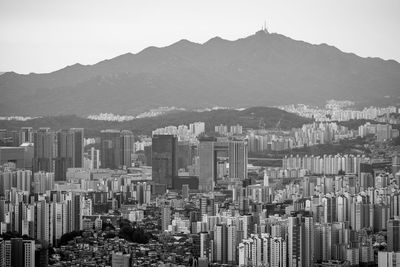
184,155
164,159
395,164
127,144
236,129
393,235
94,158
210,150
221,129
17,252
69,152
45,149
110,148
221,244
207,165
196,128
116,149
237,159
388,258
26,135
165,217
22,156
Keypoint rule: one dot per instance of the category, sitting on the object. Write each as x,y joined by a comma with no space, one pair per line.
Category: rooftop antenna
265,26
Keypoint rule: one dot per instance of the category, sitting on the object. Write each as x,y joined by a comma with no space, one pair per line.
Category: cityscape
261,151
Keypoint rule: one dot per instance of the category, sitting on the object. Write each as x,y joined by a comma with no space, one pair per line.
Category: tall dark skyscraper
45,150
207,165
184,156
393,235
110,151
79,146
164,159
69,151
127,142
116,148
221,243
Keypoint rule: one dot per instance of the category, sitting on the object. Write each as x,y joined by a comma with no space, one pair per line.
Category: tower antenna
265,26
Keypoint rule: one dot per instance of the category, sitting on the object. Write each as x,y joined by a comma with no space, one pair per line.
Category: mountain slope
262,69
248,118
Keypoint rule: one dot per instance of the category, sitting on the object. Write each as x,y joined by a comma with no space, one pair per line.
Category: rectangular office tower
210,150
164,159
69,151
237,159
127,143
45,150
116,148
110,149
207,165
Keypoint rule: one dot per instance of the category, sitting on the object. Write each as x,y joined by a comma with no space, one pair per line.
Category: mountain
263,69
248,118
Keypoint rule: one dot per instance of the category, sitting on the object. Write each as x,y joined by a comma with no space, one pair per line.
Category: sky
45,35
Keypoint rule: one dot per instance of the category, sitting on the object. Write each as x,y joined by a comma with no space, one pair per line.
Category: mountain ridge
261,69
248,118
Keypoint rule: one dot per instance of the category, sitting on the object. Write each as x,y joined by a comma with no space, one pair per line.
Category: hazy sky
46,35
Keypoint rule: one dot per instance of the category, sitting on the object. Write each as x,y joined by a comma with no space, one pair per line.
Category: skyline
199,133
90,32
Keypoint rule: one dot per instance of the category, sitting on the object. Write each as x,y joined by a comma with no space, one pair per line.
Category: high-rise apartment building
395,164
221,129
237,159
204,245
165,217
196,128
26,135
19,253
45,150
232,244
278,252
94,158
300,241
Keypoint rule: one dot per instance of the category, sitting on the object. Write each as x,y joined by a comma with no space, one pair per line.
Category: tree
65,238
